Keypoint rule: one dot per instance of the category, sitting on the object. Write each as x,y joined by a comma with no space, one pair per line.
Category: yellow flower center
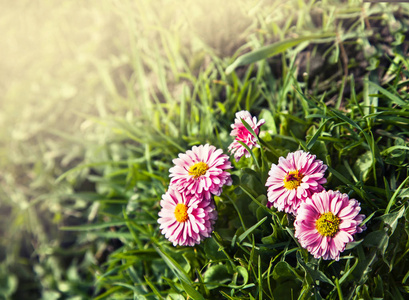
327,224
181,214
198,169
292,180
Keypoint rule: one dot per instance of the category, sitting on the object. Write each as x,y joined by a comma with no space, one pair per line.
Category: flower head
201,171
243,135
295,178
186,219
326,222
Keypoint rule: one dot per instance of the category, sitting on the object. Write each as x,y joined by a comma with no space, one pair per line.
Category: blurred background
67,69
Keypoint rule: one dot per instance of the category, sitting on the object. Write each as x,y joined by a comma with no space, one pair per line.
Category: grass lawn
100,97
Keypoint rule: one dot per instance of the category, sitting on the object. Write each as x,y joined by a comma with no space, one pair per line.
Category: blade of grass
274,49
340,296
153,288
251,153
395,194
349,184
395,99
256,201
317,134
93,226
180,273
260,279
250,230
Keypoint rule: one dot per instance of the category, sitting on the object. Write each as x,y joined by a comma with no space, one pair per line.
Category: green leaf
252,182
269,120
363,165
287,290
216,273
244,274
283,271
392,219
212,249
378,239
8,283
271,50
315,274
180,273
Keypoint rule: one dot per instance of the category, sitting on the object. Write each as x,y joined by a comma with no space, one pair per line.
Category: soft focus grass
99,97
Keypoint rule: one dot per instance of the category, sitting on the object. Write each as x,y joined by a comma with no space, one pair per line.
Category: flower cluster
188,212
325,221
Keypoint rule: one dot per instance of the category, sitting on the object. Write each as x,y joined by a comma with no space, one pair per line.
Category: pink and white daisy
201,171
186,219
243,135
295,178
326,222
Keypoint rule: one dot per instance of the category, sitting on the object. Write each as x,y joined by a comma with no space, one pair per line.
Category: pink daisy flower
326,222
295,178
243,135
185,219
201,171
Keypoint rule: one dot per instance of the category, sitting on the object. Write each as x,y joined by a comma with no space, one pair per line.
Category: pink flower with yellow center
186,219
293,179
326,223
201,171
241,134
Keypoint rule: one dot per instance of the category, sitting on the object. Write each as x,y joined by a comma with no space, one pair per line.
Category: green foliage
80,188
